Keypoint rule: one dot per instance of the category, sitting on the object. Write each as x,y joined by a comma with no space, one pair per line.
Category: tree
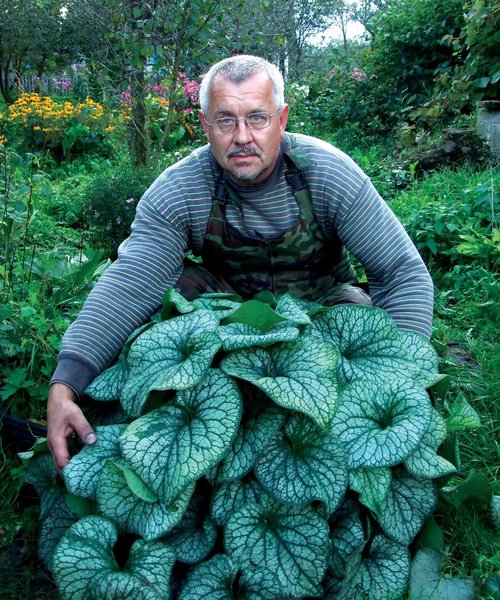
146,42
30,38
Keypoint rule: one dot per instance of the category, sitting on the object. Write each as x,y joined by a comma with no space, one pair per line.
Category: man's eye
257,118
226,122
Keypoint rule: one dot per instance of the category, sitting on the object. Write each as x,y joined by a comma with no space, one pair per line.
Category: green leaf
292,310
187,437
57,519
172,355
238,335
347,535
303,464
230,497
380,573
83,556
370,344
256,314
300,375
216,578
426,583
381,423
290,542
261,420
424,462
223,307
431,535
476,488
82,507
407,506
194,537
462,416
373,487
133,514
82,472
146,575
173,302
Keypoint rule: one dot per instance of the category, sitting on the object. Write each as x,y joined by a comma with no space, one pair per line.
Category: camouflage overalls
301,261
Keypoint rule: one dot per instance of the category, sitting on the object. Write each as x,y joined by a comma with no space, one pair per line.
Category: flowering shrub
183,122
65,128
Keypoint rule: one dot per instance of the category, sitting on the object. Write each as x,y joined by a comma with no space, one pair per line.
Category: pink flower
358,75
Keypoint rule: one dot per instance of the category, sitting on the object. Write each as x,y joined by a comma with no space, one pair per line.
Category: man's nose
242,134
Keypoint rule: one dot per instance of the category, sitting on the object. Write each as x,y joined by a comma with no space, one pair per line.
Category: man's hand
64,417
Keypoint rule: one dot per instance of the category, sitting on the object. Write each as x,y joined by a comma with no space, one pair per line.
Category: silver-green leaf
83,556
261,420
81,474
146,575
370,344
302,464
230,497
172,446
172,355
408,504
194,537
381,423
236,336
299,376
150,519
215,579
424,462
381,575
290,542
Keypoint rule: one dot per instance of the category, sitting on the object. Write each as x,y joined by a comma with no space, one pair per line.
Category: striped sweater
172,218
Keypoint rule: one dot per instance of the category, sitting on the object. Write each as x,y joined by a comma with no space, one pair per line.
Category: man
265,210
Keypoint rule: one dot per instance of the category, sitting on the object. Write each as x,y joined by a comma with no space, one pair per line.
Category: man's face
247,155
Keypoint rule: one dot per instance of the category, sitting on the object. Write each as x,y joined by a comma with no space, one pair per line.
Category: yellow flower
3,140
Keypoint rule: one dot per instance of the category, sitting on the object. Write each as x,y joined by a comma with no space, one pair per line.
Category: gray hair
238,69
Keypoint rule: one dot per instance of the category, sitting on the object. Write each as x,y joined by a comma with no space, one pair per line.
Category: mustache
243,150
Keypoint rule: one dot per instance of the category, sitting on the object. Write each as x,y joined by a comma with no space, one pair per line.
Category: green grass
467,322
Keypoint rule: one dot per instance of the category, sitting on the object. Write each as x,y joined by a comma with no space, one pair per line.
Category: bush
107,204
299,440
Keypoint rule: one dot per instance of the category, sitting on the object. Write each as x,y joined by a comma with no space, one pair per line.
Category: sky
354,30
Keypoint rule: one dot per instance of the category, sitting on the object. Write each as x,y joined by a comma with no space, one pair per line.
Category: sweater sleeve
398,279
349,207
125,296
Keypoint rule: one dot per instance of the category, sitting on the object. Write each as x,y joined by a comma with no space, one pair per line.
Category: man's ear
284,117
203,122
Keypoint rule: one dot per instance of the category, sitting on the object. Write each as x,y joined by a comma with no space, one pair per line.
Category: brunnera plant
263,449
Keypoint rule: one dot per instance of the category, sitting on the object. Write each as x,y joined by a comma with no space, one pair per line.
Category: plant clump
291,453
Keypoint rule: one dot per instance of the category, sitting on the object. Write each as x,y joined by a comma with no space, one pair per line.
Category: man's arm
398,279
124,297
349,207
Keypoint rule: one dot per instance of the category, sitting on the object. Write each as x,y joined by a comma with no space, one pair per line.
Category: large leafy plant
262,449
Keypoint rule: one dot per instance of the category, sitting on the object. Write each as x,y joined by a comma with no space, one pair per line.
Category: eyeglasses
255,121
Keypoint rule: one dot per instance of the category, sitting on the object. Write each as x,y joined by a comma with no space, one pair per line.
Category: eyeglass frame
236,121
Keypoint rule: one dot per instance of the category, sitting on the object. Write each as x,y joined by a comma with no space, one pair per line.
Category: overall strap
296,160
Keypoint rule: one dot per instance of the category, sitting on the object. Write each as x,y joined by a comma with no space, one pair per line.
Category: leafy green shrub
107,203
264,453
465,231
